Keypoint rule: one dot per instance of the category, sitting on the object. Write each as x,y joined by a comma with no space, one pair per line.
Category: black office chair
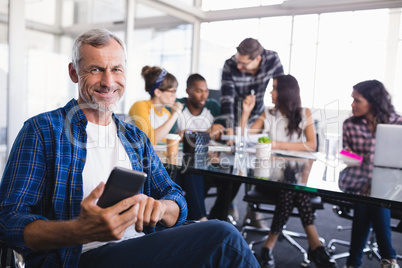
265,203
9,258
215,94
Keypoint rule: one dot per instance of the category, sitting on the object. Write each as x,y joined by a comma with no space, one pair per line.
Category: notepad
350,158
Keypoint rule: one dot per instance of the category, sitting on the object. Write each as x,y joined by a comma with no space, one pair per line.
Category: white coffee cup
263,150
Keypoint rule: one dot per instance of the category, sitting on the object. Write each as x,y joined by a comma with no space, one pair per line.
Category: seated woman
291,128
151,116
371,106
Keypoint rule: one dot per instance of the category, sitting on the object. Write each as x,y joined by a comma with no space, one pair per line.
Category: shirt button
75,250
78,189
82,159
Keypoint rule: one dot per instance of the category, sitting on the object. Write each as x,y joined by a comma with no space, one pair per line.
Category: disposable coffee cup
172,147
263,150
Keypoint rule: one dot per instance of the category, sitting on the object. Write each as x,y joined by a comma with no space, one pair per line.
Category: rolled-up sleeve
159,184
228,93
22,187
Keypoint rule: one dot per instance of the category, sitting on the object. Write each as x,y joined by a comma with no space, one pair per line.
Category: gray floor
287,256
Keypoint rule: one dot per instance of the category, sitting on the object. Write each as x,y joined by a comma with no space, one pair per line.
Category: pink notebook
350,158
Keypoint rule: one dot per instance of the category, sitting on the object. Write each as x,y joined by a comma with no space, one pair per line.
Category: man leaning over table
57,169
247,72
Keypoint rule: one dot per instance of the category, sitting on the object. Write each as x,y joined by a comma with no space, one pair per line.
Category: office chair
265,203
9,258
344,209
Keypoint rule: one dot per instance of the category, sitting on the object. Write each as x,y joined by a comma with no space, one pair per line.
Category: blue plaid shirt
237,85
43,179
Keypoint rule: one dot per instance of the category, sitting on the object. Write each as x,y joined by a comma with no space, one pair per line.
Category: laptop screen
388,146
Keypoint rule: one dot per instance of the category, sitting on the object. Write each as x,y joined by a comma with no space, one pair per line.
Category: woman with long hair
151,116
371,106
291,127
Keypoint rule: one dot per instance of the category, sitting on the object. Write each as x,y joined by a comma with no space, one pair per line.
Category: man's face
245,64
198,94
100,76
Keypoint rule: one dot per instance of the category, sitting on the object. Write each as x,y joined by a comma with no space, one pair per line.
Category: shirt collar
74,113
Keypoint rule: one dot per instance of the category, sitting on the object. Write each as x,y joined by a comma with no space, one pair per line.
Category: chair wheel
331,249
305,264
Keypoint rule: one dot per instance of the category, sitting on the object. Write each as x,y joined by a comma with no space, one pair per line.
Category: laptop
387,173
388,146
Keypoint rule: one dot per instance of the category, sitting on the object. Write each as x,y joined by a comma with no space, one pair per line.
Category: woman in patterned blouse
371,106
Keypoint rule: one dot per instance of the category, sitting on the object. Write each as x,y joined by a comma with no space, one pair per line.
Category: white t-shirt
201,122
104,152
277,126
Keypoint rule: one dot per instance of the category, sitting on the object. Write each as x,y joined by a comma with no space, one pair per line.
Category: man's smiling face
101,76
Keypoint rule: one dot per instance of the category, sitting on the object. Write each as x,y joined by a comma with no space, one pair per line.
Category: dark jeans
224,199
195,188
364,218
205,244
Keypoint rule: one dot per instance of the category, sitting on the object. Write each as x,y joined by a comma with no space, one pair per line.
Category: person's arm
345,137
215,131
311,142
152,211
139,112
227,99
163,130
248,105
94,224
166,205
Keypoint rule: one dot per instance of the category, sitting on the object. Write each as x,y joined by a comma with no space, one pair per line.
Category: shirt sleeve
346,135
22,187
228,93
277,66
140,114
162,187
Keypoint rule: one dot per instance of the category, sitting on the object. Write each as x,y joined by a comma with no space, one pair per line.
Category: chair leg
288,235
371,248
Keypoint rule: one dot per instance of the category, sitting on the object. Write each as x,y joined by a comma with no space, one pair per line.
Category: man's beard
102,107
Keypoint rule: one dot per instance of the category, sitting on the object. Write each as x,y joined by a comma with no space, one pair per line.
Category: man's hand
230,132
107,224
248,104
177,108
93,224
216,131
150,212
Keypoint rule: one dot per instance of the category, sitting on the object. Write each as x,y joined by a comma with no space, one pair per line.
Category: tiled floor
287,256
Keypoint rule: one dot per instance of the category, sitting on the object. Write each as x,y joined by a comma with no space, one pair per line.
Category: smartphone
122,183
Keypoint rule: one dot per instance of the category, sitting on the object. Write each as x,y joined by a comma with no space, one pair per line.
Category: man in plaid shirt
247,72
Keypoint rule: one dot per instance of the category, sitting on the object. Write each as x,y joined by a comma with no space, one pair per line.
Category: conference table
309,172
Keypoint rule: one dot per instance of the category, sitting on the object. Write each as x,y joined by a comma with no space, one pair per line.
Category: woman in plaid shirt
371,106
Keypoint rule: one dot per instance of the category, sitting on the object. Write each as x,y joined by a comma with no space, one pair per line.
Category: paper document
307,155
248,138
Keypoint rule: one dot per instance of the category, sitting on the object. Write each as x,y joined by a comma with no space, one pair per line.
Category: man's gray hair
95,38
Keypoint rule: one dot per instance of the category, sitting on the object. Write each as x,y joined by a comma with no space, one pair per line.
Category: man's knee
223,229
